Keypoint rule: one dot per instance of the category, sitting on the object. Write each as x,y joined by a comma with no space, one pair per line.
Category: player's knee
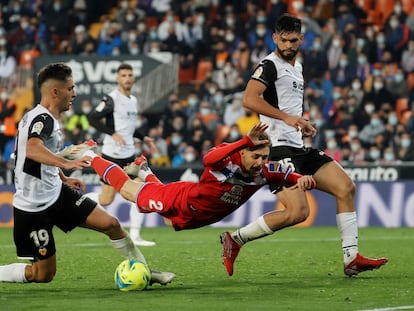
112,224
346,190
104,200
41,276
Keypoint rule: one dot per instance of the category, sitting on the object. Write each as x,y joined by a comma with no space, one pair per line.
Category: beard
288,57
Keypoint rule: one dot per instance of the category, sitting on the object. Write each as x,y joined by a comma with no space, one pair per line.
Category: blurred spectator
345,16
8,128
198,133
186,156
110,40
259,51
12,14
315,60
405,149
128,16
379,95
261,32
358,152
8,62
389,157
160,7
234,134
57,19
334,52
371,130
77,125
356,91
233,111
226,77
246,122
82,43
398,86
364,68
396,36
374,155
407,57
207,116
332,149
241,58
397,12
343,73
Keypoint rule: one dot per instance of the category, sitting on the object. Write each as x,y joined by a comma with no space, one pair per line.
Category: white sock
348,228
93,196
14,272
136,220
254,230
142,174
90,153
128,249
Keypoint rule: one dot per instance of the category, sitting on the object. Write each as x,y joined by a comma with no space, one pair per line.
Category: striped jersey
37,185
284,91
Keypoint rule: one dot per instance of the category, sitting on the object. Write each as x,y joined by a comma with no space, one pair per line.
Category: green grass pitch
294,269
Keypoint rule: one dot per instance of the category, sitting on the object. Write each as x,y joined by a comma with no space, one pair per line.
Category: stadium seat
27,57
384,8
185,75
405,116
410,80
407,6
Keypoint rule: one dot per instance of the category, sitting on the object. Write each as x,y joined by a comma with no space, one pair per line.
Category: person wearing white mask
8,62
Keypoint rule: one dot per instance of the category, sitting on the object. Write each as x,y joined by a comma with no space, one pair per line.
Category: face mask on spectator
375,122
388,156
331,145
176,140
399,77
405,142
374,154
369,108
356,86
189,157
378,85
355,147
393,120
353,133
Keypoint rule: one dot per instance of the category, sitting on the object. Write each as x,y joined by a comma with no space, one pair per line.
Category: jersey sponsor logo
100,107
37,127
233,196
258,72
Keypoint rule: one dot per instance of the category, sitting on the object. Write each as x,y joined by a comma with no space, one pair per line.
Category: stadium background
173,69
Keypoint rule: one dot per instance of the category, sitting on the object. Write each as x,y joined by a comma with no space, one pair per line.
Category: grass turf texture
295,269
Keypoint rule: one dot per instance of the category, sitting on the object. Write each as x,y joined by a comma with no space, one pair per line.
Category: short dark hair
288,23
55,71
262,136
124,66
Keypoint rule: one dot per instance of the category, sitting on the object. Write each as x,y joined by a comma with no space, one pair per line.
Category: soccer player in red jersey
233,173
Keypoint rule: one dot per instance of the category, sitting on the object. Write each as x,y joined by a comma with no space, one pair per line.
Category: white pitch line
391,308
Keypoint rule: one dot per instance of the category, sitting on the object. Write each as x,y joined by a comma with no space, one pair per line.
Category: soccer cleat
141,242
362,263
160,277
133,168
230,251
73,152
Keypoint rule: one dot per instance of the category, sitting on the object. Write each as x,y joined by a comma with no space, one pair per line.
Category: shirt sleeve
265,72
216,155
41,127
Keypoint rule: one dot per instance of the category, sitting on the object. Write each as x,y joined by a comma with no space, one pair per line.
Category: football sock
348,228
136,220
254,230
14,272
110,172
148,175
128,249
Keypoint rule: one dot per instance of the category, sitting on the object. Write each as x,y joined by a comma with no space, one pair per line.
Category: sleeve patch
258,72
100,107
37,128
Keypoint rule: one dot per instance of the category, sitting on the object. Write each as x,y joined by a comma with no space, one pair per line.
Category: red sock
152,178
110,172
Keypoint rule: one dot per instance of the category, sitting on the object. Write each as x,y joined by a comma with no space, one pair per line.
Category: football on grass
132,274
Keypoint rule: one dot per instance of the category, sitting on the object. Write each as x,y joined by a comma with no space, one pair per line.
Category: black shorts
33,234
120,162
305,161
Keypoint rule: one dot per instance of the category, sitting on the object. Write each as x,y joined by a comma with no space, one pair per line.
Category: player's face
125,80
253,161
65,93
288,44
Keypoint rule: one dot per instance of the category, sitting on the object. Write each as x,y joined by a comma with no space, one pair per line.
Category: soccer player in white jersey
116,116
45,197
275,92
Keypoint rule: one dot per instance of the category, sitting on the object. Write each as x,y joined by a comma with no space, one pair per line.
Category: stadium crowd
358,71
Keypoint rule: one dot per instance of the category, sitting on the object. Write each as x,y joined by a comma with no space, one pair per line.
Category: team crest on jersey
37,127
43,251
258,72
101,106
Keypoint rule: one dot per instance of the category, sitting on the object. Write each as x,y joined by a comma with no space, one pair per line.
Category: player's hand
119,140
304,183
255,132
75,183
78,164
301,124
